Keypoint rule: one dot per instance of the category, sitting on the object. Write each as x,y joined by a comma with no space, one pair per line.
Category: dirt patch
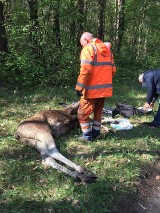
147,199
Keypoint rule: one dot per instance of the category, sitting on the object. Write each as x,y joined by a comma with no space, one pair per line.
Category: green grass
117,159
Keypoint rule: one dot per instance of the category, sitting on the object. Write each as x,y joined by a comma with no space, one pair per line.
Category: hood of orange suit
108,45
101,47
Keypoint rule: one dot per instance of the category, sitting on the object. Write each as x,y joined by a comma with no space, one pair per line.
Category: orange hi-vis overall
95,83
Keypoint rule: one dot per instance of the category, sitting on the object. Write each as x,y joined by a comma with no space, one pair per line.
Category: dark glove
79,93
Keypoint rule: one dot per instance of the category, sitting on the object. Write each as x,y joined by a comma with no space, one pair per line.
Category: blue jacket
151,80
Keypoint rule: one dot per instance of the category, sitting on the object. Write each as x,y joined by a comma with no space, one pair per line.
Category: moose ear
72,109
75,105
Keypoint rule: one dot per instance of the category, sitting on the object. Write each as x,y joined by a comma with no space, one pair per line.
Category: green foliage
35,57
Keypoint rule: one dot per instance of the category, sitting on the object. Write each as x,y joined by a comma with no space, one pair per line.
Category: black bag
124,110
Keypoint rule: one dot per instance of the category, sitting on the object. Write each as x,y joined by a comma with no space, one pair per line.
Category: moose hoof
89,174
86,177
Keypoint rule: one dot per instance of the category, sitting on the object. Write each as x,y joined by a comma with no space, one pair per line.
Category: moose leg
49,161
46,145
78,176
58,156
49,148
81,173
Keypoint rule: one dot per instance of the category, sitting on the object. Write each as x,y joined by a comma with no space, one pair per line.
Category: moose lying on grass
40,132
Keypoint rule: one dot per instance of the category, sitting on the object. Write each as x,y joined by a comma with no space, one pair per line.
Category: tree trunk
57,25
120,23
3,37
80,7
102,6
34,22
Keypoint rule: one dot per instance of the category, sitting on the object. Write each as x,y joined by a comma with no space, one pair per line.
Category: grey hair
88,35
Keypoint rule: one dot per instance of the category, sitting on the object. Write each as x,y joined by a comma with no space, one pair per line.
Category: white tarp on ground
122,124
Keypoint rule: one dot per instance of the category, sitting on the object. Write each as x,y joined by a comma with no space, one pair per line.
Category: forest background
39,39
39,65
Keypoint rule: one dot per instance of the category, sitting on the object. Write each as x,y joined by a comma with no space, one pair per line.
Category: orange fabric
96,72
86,108
114,67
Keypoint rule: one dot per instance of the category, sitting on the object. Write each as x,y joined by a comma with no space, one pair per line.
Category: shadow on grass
39,95
140,140
101,196
37,207
97,197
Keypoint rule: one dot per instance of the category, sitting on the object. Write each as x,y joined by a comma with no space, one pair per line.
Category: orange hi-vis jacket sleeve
87,57
96,72
113,64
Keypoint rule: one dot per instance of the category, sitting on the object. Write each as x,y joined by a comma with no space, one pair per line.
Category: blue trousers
156,120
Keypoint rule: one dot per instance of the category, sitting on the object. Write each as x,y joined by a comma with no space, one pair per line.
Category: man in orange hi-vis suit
94,83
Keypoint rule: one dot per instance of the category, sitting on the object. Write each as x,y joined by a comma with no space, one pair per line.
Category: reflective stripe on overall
86,108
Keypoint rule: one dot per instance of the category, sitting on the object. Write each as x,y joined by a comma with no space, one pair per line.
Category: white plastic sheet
122,124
